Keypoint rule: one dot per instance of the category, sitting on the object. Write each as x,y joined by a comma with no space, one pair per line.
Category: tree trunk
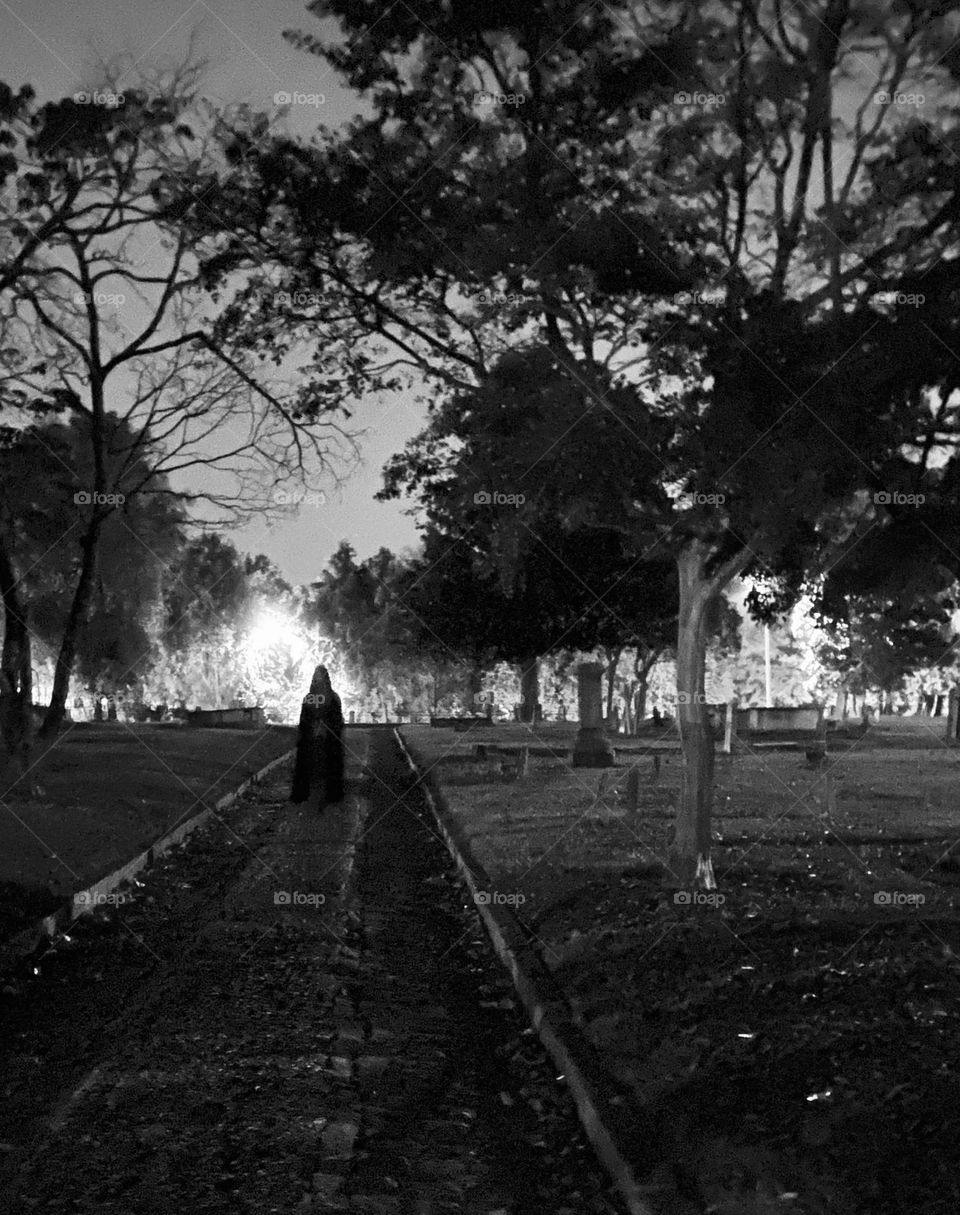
642,669
16,675
640,712
629,708
529,689
613,661
690,863
90,543
77,619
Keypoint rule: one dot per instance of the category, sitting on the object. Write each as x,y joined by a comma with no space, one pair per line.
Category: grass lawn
107,791
796,1032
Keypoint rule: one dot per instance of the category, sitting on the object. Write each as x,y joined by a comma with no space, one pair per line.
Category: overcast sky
57,47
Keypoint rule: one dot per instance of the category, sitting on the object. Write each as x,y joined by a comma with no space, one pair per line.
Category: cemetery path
296,1012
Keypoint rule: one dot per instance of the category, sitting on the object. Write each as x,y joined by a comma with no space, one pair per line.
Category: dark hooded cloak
319,742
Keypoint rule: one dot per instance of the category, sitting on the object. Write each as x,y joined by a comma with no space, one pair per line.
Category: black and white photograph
480,607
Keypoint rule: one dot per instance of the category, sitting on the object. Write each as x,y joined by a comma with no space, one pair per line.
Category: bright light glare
270,629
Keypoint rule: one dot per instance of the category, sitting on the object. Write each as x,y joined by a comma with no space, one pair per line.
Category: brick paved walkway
251,1034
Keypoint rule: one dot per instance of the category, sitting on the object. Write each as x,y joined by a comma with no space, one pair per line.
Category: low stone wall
248,719
460,724
773,720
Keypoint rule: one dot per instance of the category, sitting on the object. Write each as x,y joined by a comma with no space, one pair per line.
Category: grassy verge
797,1031
106,792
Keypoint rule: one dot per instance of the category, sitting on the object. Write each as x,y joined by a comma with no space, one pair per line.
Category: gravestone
352,717
592,748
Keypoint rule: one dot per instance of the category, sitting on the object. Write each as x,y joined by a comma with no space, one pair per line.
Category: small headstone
517,765
592,748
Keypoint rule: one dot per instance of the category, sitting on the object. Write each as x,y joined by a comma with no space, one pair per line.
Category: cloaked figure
319,743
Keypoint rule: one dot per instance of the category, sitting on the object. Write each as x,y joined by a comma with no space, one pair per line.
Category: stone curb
84,901
605,1115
